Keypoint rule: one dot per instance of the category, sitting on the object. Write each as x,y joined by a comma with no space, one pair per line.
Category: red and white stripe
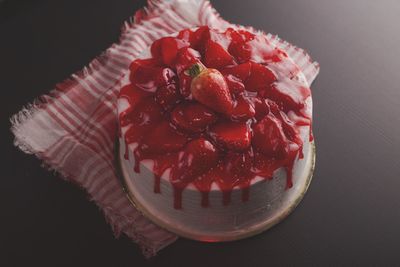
73,128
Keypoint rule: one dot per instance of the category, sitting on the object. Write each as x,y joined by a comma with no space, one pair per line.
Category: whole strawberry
209,87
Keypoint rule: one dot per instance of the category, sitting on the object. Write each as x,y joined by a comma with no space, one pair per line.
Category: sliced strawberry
289,93
148,78
261,107
155,50
235,85
260,77
216,56
240,51
186,58
240,48
231,135
192,117
199,156
147,111
241,71
243,110
204,34
210,88
133,94
163,139
166,49
150,62
281,137
199,37
240,35
185,34
168,96
269,137
290,130
169,50
165,76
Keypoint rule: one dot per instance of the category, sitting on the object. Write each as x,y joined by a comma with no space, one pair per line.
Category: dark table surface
351,214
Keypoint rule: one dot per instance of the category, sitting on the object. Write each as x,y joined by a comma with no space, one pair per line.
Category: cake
215,133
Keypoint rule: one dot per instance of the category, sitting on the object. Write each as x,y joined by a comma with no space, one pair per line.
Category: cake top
214,106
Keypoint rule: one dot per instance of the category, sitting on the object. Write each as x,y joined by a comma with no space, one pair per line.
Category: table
349,217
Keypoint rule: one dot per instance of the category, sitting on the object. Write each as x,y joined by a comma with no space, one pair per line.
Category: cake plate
268,216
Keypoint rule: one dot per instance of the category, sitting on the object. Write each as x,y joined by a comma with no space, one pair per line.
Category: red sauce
200,145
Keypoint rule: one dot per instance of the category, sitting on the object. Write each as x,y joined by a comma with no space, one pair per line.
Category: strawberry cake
215,133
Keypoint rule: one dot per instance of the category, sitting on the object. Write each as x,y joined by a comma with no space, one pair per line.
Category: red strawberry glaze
236,119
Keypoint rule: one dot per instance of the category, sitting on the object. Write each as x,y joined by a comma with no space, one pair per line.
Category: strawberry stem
194,70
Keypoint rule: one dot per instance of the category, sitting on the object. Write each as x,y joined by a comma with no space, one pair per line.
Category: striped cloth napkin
73,128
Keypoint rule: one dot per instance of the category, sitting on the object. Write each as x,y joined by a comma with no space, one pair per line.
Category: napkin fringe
25,114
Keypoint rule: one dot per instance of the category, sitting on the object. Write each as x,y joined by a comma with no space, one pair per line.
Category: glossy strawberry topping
215,107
